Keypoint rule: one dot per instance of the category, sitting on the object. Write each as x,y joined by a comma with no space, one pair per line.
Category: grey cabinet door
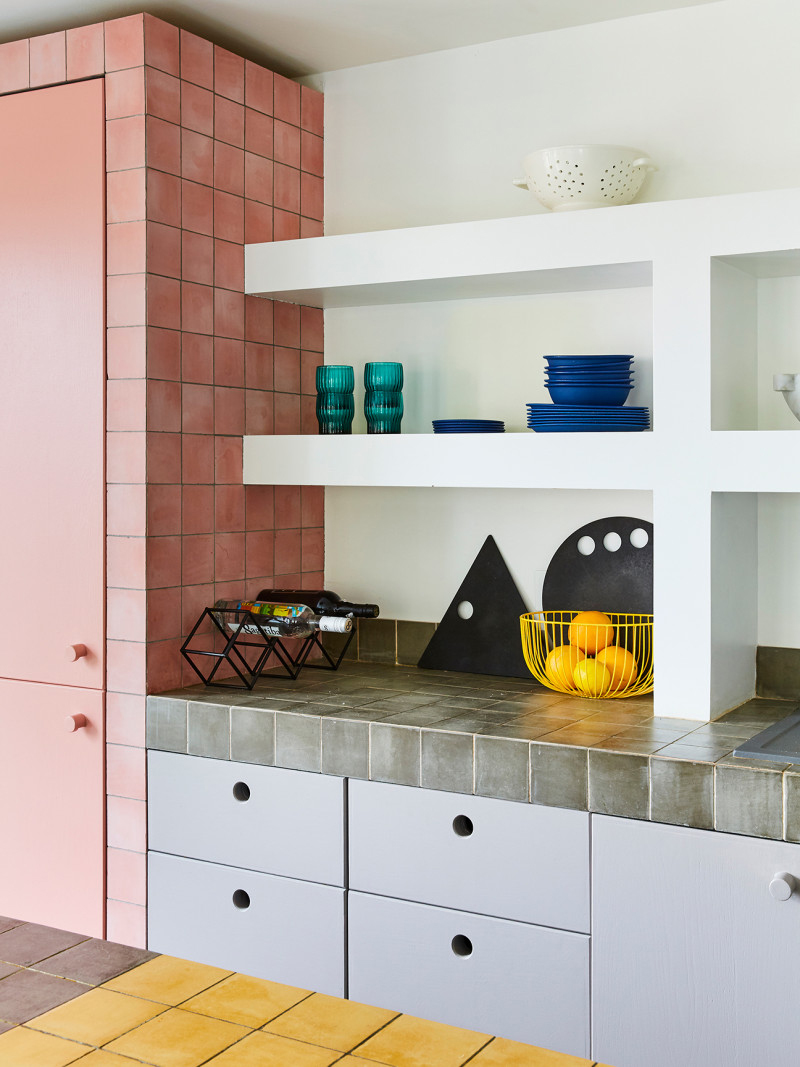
527,983
693,960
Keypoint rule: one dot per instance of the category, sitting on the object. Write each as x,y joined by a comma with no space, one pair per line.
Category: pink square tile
260,507
198,258
228,168
197,109
259,553
124,91
311,196
124,42
126,876
163,510
286,100
287,370
125,561
312,156
125,719
125,457
258,178
197,60
258,133
311,227
198,208
164,406
195,598
287,188
164,665
163,458
126,352
161,45
287,324
259,412
228,557
309,361
126,924
126,247
163,302
163,562
228,362
229,265
126,822
228,217
313,550
312,110
229,121
228,313
126,513
287,144
14,66
163,614
197,358
125,143
85,52
288,507
163,145
197,303
198,408
258,87
312,328
164,250
287,414
228,460
308,415
125,667
288,551
164,354
125,195
197,157
229,508
162,94
163,198
228,74
313,513
125,300
258,363
198,559
257,222
125,404
198,459
126,614
228,411
259,319
198,509
286,225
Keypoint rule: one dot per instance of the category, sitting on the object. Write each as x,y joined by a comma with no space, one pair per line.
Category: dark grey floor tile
394,754
209,730
466,703
748,802
26,994
447,761
94,961
253,735
166,724
619,784
30,943
400,702
502,768
462,724
682,793
345,748
298,741
559,776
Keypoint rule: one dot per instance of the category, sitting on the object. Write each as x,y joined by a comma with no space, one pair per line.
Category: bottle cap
334,625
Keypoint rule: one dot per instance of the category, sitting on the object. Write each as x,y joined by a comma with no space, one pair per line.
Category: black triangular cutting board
489,642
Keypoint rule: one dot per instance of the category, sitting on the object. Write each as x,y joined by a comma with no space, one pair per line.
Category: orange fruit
592,678
620,664
561,663
590,631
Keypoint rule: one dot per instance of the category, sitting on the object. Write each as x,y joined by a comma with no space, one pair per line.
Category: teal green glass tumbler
383,399
335,403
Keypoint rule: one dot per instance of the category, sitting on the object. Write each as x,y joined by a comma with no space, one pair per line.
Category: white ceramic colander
584,175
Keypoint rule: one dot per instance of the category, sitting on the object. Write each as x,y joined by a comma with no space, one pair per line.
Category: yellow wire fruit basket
593,654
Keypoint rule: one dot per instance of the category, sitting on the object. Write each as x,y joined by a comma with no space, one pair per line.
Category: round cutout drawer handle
76,652
241,791
462,825
241,899
461,945
75,722
782,886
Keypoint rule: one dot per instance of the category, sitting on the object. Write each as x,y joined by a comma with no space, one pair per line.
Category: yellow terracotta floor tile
269,1050
101,1058
410,1042
97,1016
248,1001
504,1053
167,980
330,1022
29,1048
178,1038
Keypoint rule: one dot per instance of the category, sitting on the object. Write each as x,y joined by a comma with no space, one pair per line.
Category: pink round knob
75,722
75,652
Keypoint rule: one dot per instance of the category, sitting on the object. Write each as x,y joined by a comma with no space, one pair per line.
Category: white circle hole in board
612,542
586,546
465,610
639,537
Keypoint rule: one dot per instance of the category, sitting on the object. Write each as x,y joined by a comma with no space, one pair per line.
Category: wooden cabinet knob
75,722
76,652
782,886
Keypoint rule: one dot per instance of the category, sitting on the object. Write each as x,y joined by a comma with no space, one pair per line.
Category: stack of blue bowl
588,393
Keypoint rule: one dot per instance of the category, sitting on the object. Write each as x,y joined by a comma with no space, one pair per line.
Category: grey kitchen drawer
268,927
261,818
495,857
509,979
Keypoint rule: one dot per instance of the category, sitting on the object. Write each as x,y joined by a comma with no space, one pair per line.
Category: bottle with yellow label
277,620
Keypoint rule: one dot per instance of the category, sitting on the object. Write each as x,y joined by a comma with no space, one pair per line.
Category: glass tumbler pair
335,403
383,399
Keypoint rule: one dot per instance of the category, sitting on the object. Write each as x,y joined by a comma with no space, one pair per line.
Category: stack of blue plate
583,418
589,380
468,426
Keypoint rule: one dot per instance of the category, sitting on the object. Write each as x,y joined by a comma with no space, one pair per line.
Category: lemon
590,631
620,664
592,678
561,663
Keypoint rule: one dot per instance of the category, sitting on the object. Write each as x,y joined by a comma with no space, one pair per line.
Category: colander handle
521,183
643,161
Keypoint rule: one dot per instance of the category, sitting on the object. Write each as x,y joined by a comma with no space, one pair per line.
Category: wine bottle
278,620
322,601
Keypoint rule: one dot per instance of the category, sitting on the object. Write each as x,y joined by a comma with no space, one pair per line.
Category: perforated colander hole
461,945
241,791
241,899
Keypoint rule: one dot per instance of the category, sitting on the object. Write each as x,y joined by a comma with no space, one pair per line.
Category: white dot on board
465,610
612,542
639,537
586,546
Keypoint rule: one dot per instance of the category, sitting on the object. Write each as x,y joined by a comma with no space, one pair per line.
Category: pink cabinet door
52,387
52,806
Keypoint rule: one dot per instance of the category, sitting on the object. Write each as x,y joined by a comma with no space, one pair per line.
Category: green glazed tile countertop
495,737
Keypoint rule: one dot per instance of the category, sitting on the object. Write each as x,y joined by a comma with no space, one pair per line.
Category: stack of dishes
587,393
574,418
468,426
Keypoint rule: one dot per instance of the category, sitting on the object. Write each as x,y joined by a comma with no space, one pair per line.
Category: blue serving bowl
613,395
